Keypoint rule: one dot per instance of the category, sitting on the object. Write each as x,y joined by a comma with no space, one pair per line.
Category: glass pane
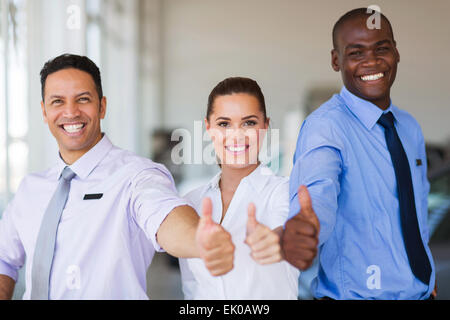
93,31
3,193
17,76
18,155
439,208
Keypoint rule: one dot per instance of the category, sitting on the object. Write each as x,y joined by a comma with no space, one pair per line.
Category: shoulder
271,184
325,127
406,120
35,179
133,164
279,187
195,196
329,112
327,121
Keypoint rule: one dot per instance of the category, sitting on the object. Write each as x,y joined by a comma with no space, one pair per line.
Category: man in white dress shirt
120,209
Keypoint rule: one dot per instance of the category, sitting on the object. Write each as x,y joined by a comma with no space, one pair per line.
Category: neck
231,177
72,156
383,105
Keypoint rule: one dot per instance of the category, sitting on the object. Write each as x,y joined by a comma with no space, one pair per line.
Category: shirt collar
394,110
367,112
257,179
87,163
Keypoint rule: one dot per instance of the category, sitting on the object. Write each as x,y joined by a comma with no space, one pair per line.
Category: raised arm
316,173
184,235
175,227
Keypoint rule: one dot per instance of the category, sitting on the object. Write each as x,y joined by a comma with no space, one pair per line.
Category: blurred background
161,58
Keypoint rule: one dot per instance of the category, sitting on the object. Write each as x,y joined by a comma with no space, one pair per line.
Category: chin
240,163
372,93
237,166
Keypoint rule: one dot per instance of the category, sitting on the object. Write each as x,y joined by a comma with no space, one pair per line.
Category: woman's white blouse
248,279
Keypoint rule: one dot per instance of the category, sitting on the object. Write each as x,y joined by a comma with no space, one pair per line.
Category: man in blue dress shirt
364,163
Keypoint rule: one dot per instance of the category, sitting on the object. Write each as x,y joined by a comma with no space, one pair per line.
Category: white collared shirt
248,280
104,246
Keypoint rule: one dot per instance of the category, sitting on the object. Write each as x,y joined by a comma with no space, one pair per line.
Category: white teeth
73,128
236,149
372,77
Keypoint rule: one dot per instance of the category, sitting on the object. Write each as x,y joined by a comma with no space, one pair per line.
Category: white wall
285,45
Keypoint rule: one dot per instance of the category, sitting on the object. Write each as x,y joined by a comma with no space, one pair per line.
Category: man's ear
398,53
103,104
44,113
335,60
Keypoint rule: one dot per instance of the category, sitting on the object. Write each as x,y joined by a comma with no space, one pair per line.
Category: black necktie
417,256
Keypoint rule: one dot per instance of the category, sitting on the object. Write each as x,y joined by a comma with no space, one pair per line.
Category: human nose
71,110
237,135
371,59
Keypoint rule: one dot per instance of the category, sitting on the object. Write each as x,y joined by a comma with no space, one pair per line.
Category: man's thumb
251,222
306,209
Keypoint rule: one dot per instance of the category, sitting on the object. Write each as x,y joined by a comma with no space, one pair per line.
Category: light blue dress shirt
343,159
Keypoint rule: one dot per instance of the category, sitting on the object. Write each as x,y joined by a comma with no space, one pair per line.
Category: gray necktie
45,245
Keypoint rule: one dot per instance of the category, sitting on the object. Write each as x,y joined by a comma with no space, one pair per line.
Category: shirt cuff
159,219
7,270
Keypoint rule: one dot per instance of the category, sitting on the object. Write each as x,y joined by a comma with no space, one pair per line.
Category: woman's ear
208,129
267,124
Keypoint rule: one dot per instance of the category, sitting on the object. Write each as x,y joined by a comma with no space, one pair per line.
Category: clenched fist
301,234
214,243
263,242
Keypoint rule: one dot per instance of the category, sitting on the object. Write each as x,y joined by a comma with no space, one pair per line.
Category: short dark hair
236,85
68,61
352,14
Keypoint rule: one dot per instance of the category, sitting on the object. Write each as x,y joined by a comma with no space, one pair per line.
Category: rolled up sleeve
154,196
12,253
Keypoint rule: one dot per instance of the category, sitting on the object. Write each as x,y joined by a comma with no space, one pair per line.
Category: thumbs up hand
301,234
214,243
263,242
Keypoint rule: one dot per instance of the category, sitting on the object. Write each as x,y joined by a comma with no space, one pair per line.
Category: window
94,30
13,96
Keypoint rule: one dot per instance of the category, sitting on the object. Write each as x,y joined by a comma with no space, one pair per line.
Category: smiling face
367,60
237,127
73,110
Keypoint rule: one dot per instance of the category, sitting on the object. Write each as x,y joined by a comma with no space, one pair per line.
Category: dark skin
301,234
361,52
6,287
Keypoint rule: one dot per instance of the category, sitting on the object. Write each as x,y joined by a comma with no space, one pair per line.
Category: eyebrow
244,118
383,42
359,46
78,95
83,93
56,97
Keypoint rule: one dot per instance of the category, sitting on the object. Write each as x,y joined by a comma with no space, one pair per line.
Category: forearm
176,234
320,171
6,287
